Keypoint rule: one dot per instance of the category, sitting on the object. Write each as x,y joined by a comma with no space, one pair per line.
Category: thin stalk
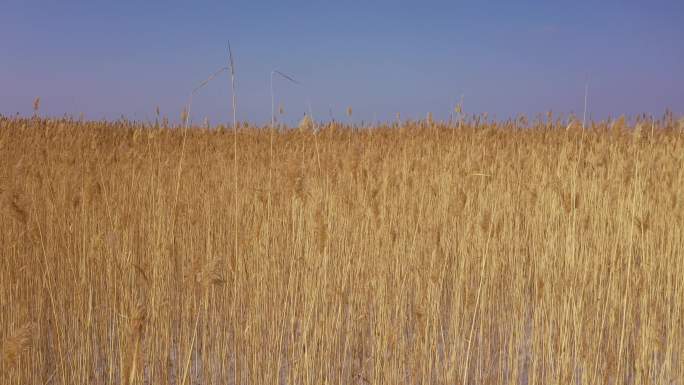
586,95
235,154
315,132
477,304
270,155
192,346
179,171
625,297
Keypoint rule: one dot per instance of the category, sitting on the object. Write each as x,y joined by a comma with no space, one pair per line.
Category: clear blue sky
113,58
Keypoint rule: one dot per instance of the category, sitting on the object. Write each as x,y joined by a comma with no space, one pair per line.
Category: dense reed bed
417,253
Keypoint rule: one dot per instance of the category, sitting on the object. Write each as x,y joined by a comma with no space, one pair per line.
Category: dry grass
420,253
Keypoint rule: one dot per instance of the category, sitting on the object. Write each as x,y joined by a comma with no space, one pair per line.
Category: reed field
416,252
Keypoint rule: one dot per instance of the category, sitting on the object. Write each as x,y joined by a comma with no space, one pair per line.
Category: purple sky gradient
114,58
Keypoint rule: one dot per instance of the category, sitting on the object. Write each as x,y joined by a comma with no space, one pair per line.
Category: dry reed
423,255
